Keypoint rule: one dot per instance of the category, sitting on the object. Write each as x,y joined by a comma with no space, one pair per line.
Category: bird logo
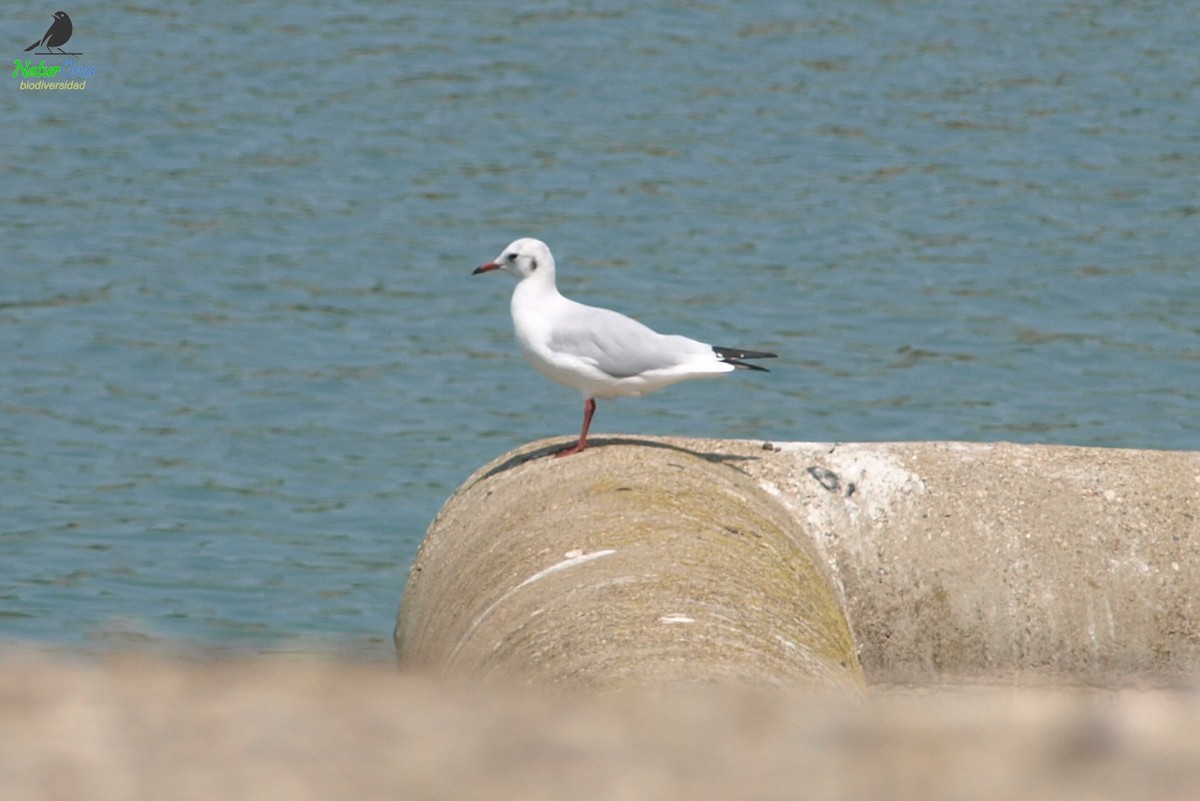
56,36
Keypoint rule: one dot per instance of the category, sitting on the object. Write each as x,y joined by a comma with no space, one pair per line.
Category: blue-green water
242,361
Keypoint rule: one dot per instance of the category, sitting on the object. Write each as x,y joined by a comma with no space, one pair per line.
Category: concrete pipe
635,563
1000,561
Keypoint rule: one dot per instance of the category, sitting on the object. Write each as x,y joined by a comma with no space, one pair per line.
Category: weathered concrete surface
990,559
635,563
153,729
954,559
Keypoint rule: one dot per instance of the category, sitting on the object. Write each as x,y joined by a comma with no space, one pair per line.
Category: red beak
485,268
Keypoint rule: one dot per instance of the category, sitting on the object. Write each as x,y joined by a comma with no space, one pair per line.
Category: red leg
589,408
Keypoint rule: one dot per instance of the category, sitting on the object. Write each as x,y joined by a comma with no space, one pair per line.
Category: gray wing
620,346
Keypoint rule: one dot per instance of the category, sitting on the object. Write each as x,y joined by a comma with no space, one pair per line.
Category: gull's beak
485,268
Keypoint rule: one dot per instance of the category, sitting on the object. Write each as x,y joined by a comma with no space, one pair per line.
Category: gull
600,352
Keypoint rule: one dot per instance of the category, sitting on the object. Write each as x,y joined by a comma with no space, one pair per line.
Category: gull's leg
589,408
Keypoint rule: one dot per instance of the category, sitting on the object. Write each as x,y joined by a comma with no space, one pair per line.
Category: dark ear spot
533,264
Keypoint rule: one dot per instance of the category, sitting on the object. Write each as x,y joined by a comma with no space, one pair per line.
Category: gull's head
524,258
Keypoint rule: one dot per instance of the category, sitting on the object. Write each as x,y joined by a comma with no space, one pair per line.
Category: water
243,362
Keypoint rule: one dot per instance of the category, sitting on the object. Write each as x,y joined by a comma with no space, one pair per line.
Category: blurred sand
157,728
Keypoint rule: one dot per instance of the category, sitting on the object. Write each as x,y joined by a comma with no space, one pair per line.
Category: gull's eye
511,257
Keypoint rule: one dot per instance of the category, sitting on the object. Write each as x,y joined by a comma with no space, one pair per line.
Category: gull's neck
536,297
538,286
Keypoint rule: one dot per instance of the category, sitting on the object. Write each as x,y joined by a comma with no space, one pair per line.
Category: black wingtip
735,356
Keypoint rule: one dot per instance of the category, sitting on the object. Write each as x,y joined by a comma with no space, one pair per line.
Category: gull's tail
734,356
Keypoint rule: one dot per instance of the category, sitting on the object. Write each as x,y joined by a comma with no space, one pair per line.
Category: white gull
599,352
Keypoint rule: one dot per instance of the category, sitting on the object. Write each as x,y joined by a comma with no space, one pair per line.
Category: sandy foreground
158,727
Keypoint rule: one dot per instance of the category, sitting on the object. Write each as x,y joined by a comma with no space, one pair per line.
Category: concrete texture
977,560
141,729
994,559
631,564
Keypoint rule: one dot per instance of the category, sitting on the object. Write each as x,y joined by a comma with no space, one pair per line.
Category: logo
67,75
56,35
